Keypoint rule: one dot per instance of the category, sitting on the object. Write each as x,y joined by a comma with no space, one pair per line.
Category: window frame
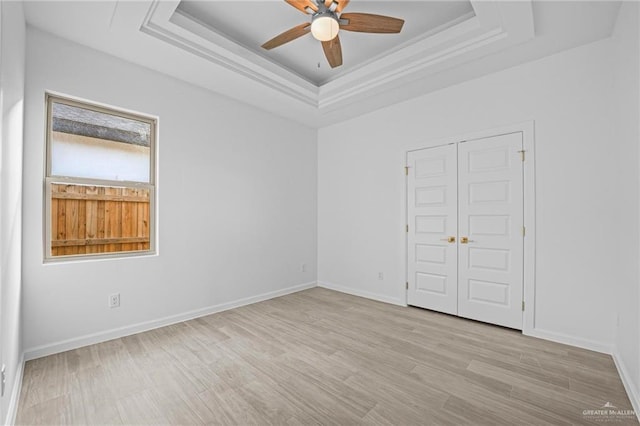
50,179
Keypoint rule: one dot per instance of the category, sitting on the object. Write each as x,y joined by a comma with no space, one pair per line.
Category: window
99,181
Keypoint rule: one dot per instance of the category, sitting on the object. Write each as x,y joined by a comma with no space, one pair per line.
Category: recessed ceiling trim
157,23
431,38
413,68
496,25
192,24
116,31
420,56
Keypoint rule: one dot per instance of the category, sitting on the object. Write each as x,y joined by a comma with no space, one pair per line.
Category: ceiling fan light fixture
324,26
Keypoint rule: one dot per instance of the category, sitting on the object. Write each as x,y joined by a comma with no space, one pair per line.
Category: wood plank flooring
322,357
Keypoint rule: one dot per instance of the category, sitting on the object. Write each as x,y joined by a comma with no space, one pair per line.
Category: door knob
465,240
449,239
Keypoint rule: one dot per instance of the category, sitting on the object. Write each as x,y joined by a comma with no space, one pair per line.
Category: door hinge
524,231
523,306
406,170
407,228
522,154
407,285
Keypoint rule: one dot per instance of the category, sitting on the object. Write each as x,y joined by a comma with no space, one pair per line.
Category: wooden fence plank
126,220
102,225
97,219
109,219
116,222
140,225
92,218
99,241
62,221
54,220
82,218
72,221
78,196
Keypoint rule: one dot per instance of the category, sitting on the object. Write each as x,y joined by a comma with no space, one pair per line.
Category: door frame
527,129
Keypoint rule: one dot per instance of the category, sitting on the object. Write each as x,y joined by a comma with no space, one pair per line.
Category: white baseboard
12,410
103,336
361,293
570,340
629,386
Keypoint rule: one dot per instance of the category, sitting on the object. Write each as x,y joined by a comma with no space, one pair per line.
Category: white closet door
491,218
432,220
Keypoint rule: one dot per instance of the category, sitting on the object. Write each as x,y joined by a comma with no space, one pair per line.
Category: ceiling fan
327,20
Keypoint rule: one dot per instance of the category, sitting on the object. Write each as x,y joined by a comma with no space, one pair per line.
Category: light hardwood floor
322,357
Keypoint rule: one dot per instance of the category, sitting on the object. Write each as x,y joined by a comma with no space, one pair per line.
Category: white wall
626,48
82,156
361,184
237,203
249,181
12,63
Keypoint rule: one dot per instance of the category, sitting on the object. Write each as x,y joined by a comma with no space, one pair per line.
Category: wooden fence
97,219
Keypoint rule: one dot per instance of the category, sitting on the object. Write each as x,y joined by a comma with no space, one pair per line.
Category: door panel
432,219
490,185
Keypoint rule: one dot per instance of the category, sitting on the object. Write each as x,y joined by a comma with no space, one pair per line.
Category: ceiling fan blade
368,23
302,5
333,52
341,5
288,36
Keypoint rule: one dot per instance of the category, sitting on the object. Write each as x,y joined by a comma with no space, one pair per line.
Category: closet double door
465,229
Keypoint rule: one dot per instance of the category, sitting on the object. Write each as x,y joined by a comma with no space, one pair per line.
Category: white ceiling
499,35
251,23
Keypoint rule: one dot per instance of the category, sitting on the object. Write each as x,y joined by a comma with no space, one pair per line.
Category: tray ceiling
438,35
163,35
251,23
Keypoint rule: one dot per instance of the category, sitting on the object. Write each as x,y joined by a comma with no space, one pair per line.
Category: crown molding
196,38
495,26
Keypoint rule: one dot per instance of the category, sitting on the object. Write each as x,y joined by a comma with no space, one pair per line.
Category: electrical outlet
380,276
303,268
114,300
